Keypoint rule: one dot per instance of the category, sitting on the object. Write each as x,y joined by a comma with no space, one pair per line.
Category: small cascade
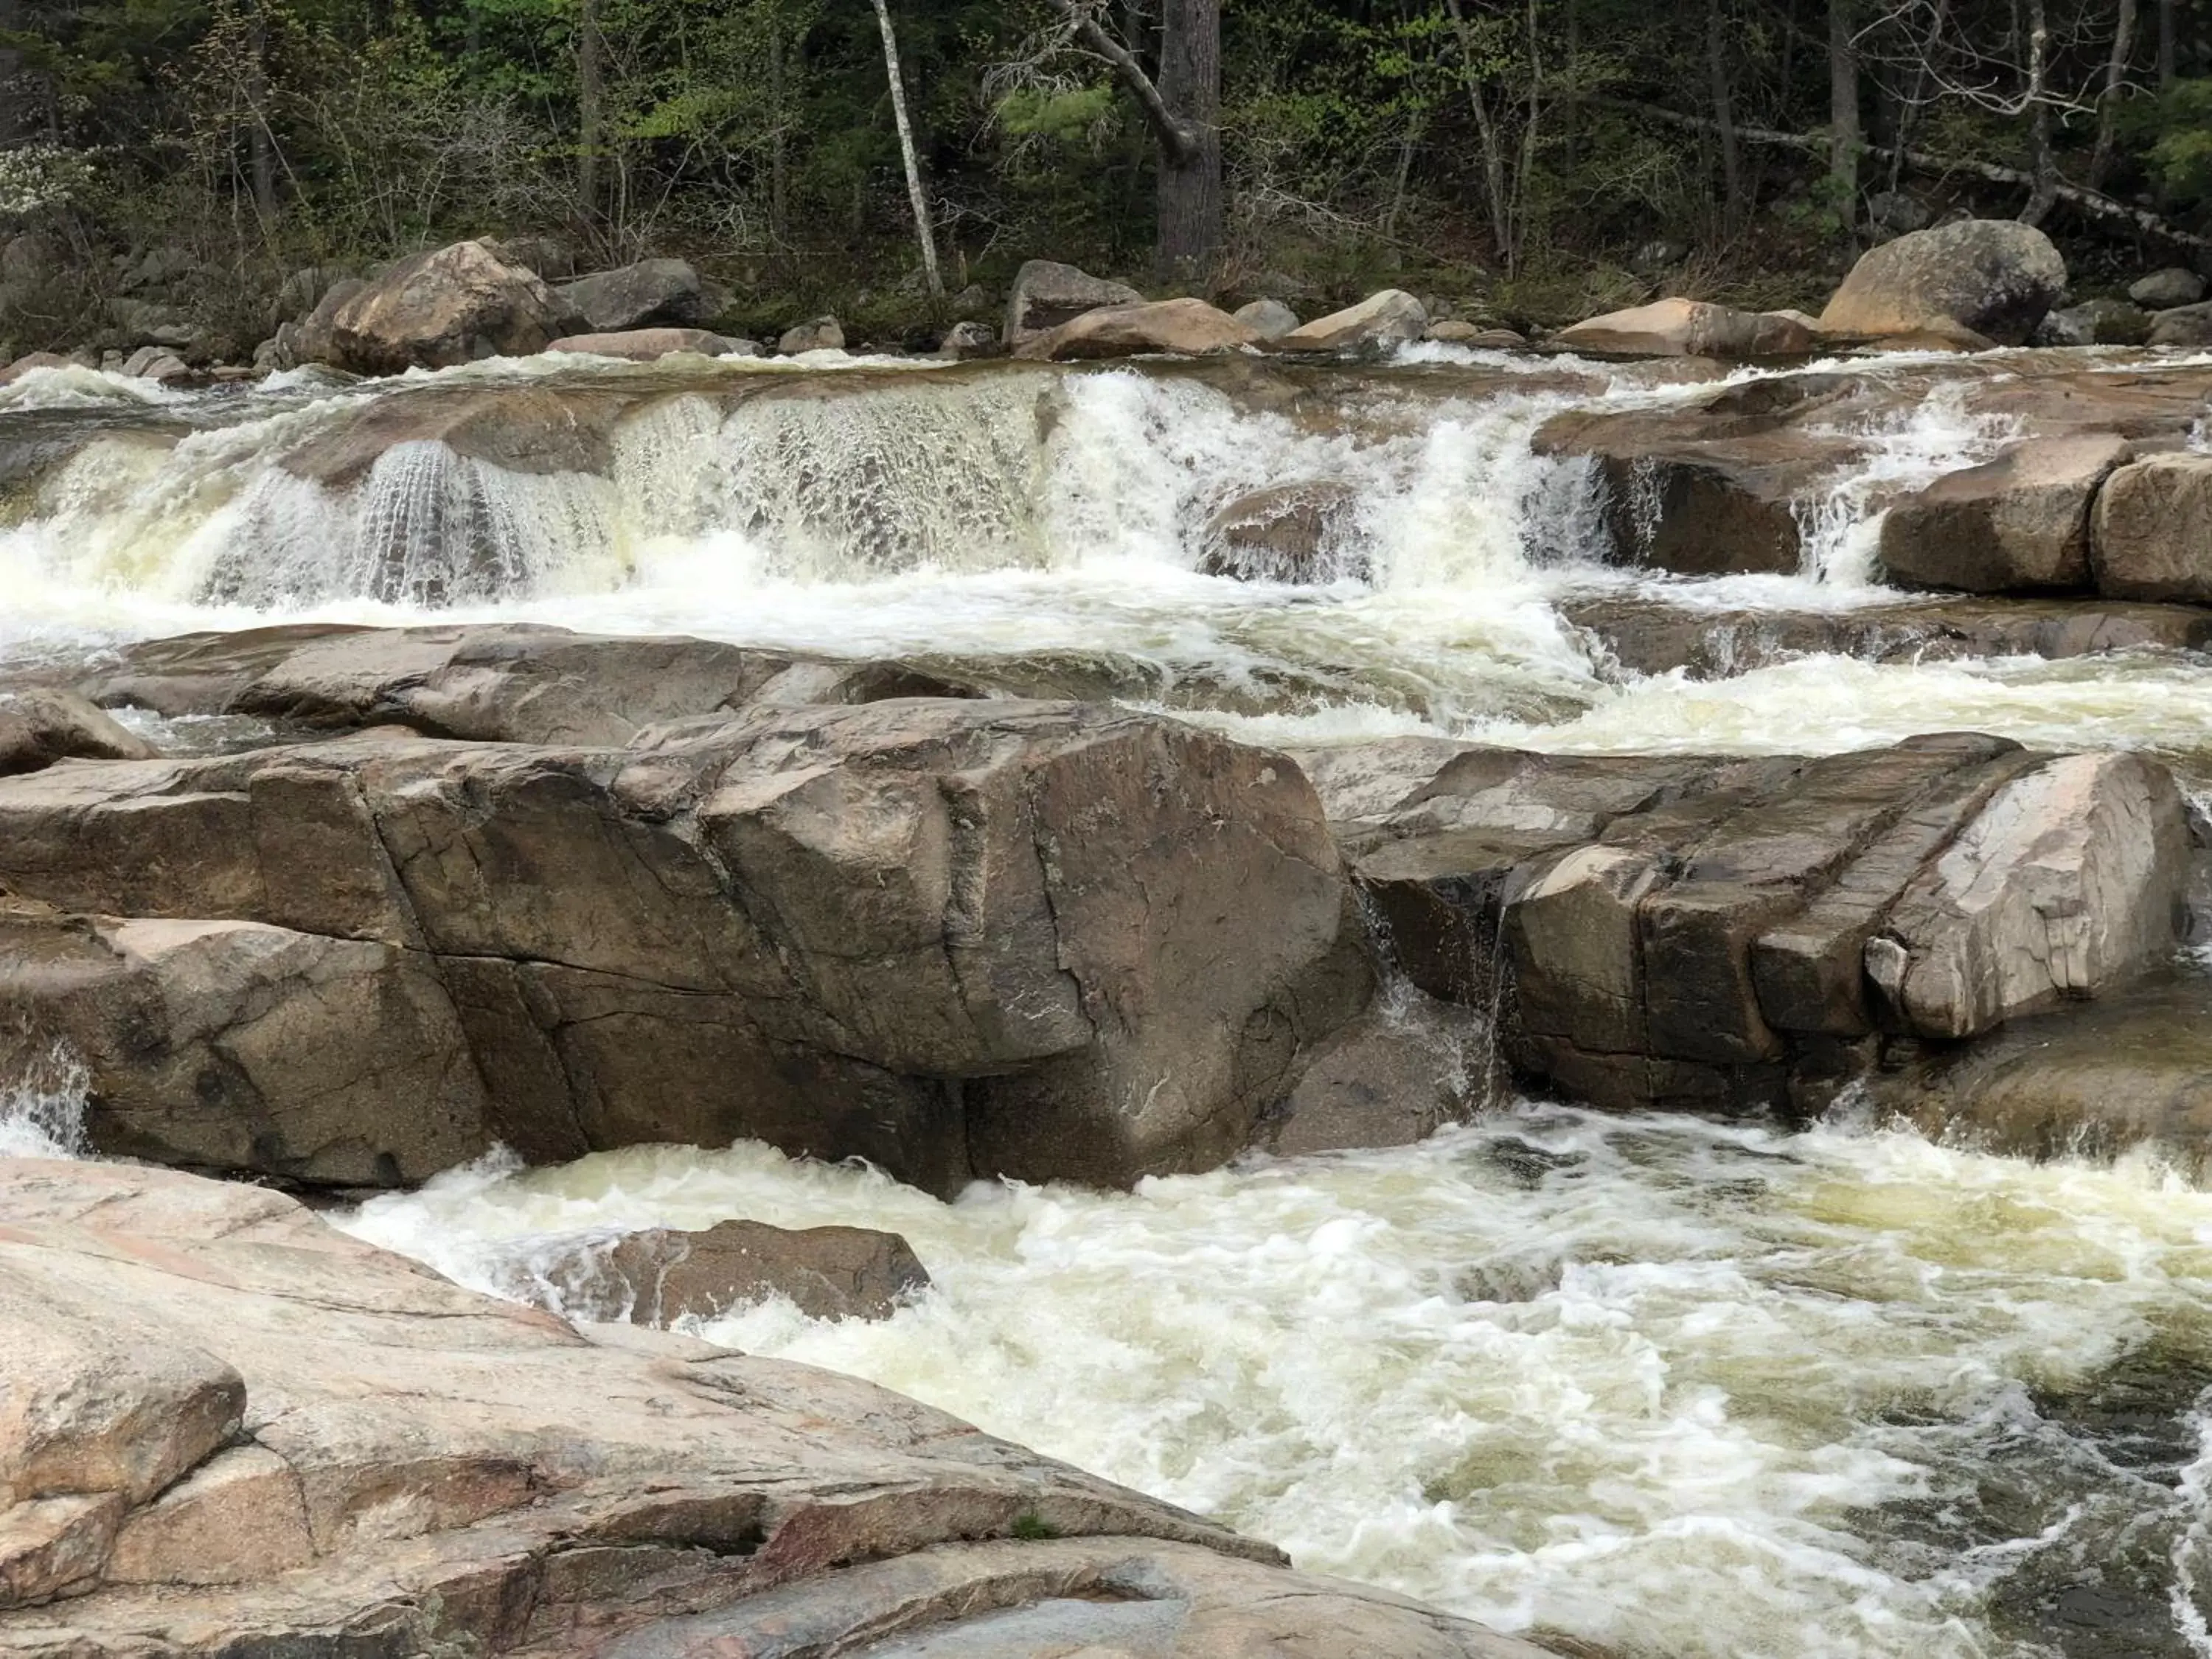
1841,529
42,1106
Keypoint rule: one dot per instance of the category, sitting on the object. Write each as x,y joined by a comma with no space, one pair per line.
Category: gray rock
1897,213
963,342
31,256
2019,522
2183,325
1188,328
436,309
823,334
2095,322
653,292
644,345
2162,290
157,363
1689,328
1270,320
1994,276
1046,294
548,257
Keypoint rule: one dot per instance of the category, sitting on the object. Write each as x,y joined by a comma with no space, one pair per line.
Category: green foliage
1031,1528
2180,156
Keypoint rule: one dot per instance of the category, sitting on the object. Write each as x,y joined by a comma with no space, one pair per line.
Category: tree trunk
2043,195
1190,185
1732,212
2166,53
261,146
779,169
590,138
2108,105
1502,225
917,199
1843,135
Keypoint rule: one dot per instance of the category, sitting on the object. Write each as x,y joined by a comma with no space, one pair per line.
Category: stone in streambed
1292,533
644,345
2163,290
952,936
433,310
661,1275
1390,317
41,725
1188,328
1046,294
2153,530
1271,319
651,293
2021,521
1689,328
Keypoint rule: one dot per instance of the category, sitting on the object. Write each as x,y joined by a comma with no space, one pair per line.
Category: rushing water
1677,1388
1682,1389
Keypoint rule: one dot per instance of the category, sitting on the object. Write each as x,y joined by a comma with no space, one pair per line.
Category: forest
1525,160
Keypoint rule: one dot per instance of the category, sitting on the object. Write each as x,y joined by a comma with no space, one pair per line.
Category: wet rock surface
954,937
661,1275
231,1429
1719,933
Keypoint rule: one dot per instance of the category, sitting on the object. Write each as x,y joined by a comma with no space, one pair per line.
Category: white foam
1652,1383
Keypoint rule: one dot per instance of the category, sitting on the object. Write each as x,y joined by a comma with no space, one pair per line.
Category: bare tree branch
1177,140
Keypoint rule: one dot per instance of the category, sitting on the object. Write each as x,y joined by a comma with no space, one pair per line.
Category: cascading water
1678,1389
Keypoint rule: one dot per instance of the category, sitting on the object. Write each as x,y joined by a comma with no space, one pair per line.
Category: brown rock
2021,521
804,925
22,366
2153,530
1291,532
1046,294
436,309
644,345
1184,327
651,293
1386,318
1996,277
238,1519
659,1276
1689,328
54,1546
40,725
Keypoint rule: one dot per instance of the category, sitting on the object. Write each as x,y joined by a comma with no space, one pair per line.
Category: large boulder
653,292
1996,277
1270,320
1189,328
1045,295
2018,522
956,937
821,334
40,725
254,1434
1689,328
1390,317
2153,530
2095,322
449,306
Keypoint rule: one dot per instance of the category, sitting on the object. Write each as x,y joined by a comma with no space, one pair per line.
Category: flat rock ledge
226,1429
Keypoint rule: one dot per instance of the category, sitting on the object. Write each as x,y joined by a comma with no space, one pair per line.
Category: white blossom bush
36,176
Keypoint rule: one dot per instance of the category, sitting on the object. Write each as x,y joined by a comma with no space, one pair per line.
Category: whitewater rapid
941,513
1672,1387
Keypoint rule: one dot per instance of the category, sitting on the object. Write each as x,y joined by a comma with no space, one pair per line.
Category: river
1665,1386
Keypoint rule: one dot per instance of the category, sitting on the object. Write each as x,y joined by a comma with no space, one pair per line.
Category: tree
917,198
1183,110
